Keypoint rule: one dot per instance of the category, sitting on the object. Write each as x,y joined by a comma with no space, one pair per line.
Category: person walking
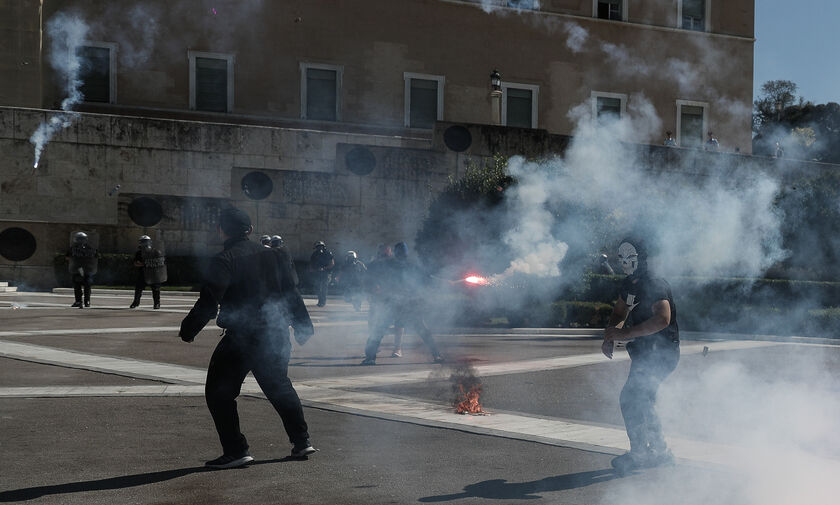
251,289
646,318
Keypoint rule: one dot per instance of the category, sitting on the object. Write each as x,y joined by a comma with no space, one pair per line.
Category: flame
469,404
477,280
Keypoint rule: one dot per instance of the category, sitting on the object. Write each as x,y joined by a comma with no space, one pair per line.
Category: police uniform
152,273
83,264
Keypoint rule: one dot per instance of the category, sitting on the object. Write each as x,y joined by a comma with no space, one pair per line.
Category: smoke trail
576,36
67,32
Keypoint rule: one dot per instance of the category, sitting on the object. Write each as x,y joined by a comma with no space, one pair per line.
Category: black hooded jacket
253,289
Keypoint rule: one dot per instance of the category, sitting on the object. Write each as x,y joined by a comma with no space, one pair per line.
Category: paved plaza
105,405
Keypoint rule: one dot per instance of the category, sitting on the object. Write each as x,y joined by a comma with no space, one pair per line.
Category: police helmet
320,243
276,241
145,238
351,256
265,240
80,237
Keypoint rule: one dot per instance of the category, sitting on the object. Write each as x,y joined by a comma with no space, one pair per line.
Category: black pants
383,315
267,356
638,397
140,285
322,280
81,284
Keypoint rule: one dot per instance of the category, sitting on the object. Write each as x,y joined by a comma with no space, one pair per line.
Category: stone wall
301,185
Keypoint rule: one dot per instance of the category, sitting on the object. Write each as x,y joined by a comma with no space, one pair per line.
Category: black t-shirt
640,297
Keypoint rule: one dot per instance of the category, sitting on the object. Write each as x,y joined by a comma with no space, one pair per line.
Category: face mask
628,257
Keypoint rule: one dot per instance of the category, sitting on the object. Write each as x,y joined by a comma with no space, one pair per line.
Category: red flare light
477,280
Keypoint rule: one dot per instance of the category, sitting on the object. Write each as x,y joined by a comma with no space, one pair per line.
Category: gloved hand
302,335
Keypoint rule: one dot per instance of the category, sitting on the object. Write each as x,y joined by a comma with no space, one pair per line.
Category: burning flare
469,404
477,280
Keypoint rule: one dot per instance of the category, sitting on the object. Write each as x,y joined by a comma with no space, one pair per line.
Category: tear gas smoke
67,32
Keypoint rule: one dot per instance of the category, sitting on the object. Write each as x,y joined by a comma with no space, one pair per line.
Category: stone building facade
328,121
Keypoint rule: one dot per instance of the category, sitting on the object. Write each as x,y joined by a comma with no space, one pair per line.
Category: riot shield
83,256
154,264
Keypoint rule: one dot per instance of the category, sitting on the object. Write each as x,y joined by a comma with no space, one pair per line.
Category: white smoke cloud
67,33
576,36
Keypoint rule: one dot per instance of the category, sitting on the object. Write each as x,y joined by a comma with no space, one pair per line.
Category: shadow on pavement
502,490
121,482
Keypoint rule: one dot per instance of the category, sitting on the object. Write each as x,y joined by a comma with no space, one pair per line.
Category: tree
775,97
804,130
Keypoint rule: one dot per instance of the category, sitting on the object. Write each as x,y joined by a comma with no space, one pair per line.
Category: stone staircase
5,288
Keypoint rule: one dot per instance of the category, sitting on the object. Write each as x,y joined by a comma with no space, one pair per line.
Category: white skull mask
629,257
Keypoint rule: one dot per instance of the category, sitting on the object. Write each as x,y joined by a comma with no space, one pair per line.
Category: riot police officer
83,262
320,263
150,264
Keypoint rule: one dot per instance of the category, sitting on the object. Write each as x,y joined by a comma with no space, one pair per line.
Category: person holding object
150,264
253,291
83,263
646,318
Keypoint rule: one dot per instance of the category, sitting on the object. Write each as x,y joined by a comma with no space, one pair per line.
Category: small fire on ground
466,387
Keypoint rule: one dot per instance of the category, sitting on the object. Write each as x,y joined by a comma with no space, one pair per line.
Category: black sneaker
303,450
227,461
133,305
629,461
156,306
77,305
87,304
368,361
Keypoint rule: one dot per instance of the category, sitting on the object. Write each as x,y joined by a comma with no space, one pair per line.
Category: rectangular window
519,105
693,15
211,81
610,9
691,123
97,72
524,4
608,106
320,92
423,100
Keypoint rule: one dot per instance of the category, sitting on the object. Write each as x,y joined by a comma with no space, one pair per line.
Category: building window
693,14
423,100
608,107
211,81
98,72
320,89
519,104
524,4
692,118
610,9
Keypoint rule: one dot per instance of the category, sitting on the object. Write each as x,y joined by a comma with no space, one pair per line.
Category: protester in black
645,316
253,289
403,281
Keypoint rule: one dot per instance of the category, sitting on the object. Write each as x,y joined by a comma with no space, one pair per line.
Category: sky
798,41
